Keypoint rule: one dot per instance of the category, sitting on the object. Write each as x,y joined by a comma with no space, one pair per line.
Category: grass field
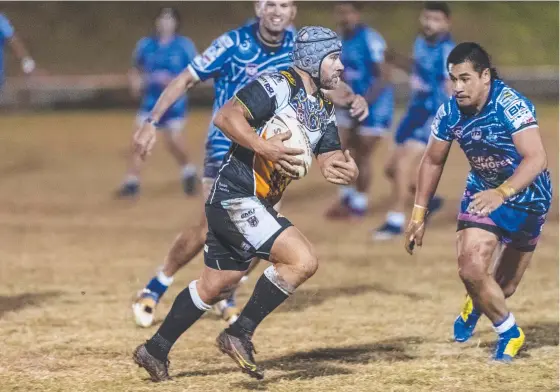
371,319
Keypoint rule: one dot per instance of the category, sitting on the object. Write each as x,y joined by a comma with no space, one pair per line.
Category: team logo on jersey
476,134
491,137
458,132
251,69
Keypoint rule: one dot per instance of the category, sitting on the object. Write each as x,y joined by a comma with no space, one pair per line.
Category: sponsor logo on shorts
253,221
248,213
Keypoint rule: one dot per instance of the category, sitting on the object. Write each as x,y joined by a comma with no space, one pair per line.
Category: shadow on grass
18,302
321,362
305,298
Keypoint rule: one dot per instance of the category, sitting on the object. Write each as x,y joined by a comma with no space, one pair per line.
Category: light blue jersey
160,63
362,52
427,88
487,141
6,32
233,60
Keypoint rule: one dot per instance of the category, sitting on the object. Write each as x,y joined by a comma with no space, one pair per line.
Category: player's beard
330,83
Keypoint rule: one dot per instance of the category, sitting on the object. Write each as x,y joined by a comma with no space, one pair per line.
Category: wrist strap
150,120
506,190
418,213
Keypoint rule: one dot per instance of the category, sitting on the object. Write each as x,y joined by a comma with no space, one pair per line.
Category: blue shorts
515,228
377,123
415,125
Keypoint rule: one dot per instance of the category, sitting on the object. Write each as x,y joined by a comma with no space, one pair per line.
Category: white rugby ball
283,122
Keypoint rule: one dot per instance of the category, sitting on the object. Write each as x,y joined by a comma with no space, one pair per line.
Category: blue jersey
160,63
487,141
429,73
6,32
362,51
233,60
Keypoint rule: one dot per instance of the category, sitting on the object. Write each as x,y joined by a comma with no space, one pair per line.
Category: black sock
182,315
266,297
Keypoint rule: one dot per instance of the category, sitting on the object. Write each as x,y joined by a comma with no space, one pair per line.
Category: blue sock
159,284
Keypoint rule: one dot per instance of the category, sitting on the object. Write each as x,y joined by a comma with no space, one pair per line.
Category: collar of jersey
263,43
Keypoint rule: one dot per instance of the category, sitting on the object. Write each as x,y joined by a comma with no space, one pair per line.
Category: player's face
166,25
469,87
433,23
347,16
276,16
331,70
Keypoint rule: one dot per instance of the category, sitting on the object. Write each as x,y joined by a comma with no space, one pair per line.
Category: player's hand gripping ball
294,160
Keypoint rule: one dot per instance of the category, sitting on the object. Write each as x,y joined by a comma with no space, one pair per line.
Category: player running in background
7,35
156,61
507,195
241,218
368,75
233,60
430,88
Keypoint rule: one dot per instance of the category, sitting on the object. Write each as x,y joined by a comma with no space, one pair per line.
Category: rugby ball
282,123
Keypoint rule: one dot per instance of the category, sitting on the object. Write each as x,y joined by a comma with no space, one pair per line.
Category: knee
308,264
212,292
471,271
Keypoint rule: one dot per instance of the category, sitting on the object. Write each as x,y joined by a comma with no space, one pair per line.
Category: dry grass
372,319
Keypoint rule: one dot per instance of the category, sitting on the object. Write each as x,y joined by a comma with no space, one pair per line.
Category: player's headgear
313,44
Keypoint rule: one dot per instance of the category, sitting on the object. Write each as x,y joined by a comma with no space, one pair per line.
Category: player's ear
258,8
486,75
294,11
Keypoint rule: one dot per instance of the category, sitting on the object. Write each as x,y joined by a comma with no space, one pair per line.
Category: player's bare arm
135,82
384,71
529,144
429,174
399,60
344,96
21,52
145,137
232,120
338,167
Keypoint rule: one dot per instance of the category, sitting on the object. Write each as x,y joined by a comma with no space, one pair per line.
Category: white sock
164,280
395,218
359,201
131,179
347,191
188,170
505,325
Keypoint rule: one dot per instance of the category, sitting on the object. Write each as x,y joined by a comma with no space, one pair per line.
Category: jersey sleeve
330,141
376,46
518,113
439,128
6,28
263,96
139,54
208,64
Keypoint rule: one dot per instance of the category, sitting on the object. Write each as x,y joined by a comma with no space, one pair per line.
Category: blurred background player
233,60
430,87
507,195
8,35
368,75
157,60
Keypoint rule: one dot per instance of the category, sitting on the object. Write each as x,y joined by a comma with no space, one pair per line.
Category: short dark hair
170,10
357,5
475,54
440,6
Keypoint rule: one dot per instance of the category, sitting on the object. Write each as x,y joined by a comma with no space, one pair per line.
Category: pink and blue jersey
6,32
362,52
487,141
233,60
160,63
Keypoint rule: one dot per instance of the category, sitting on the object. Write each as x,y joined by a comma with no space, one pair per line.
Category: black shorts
239,230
